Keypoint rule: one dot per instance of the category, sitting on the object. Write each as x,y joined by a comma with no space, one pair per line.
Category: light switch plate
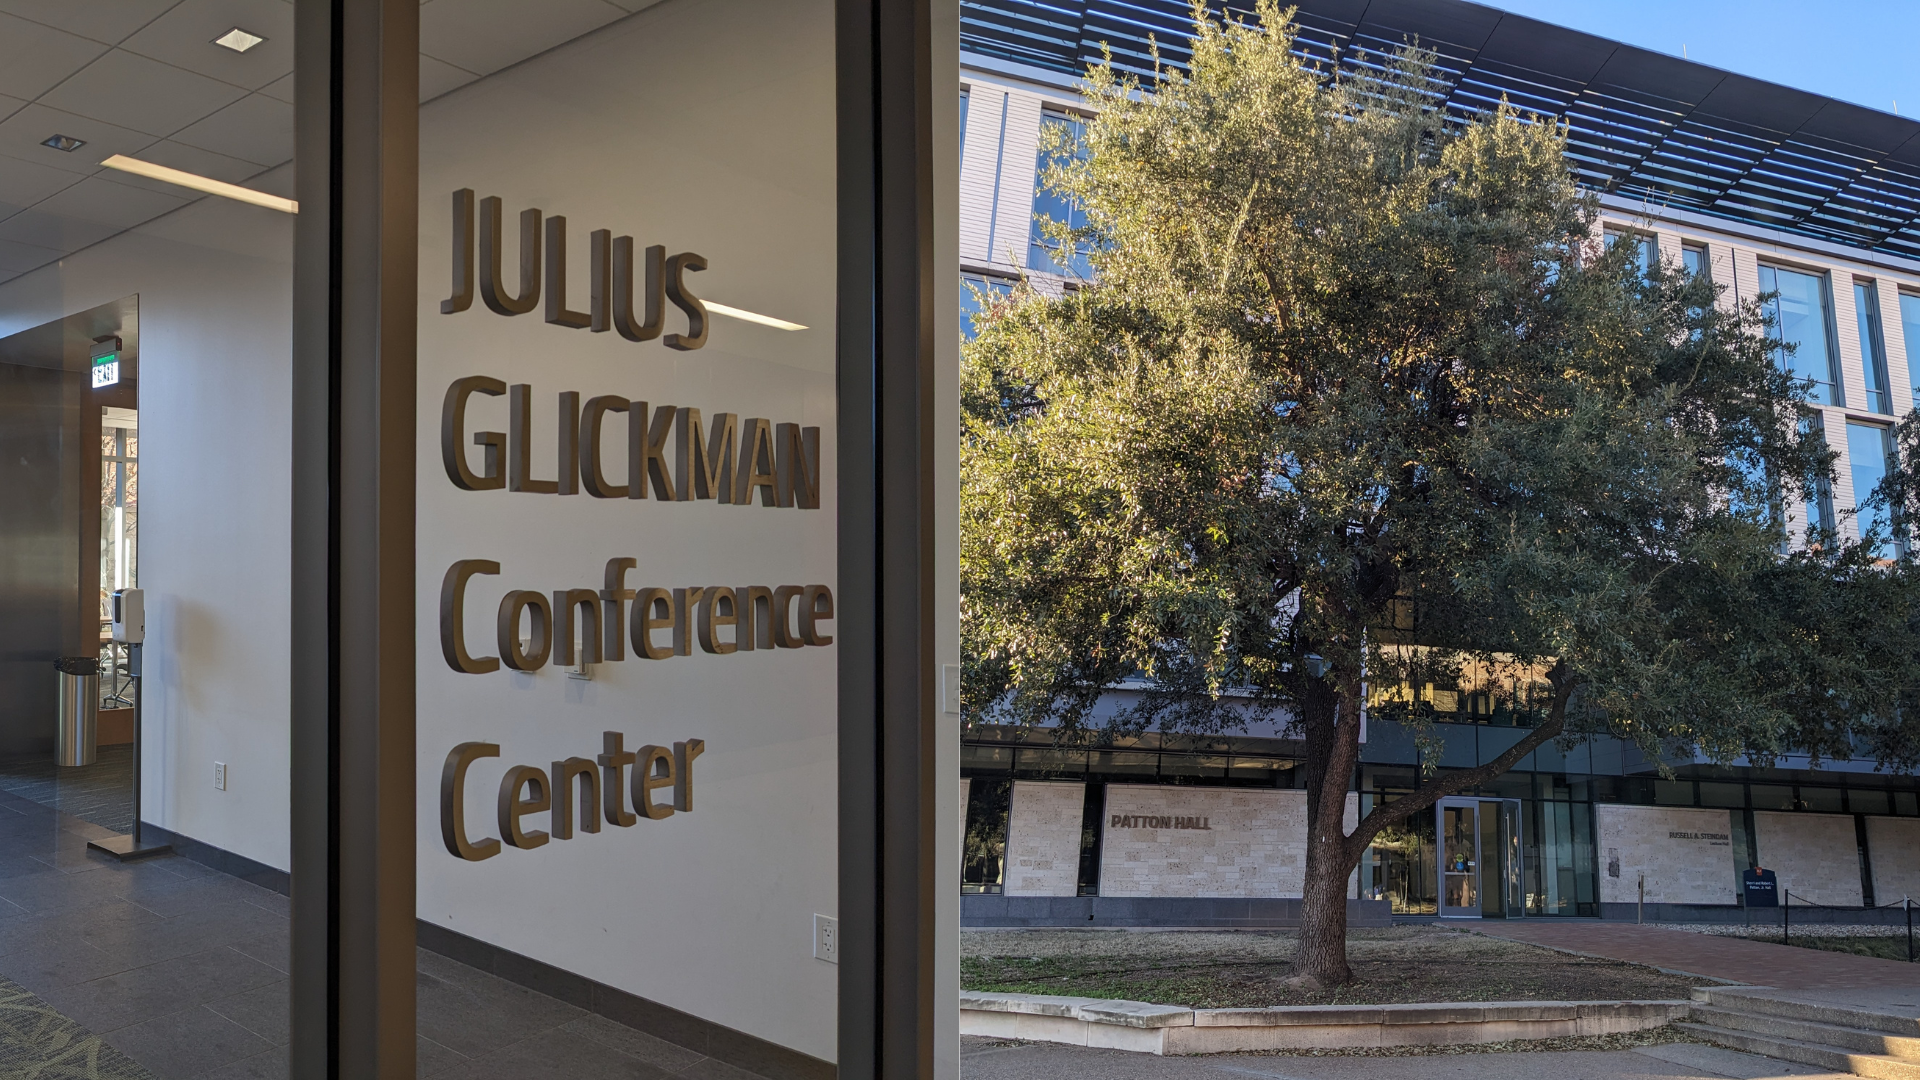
950,688
826,938
220,776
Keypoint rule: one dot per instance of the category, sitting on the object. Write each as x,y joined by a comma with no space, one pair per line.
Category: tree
1355,397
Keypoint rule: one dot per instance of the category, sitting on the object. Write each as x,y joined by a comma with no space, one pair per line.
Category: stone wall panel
1686,854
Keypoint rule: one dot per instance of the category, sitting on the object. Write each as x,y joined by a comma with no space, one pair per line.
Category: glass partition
627,543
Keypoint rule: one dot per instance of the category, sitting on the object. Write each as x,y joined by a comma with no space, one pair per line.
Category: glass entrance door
1459,830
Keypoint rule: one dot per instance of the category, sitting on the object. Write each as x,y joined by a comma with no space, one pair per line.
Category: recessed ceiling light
238,40
63,142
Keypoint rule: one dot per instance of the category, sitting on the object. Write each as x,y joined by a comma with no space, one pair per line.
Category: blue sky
1860,50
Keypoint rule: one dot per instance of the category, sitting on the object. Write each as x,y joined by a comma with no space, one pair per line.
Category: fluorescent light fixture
751,316
238,40
63,142
200,183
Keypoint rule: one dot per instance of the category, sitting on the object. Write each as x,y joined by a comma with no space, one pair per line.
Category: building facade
1766,190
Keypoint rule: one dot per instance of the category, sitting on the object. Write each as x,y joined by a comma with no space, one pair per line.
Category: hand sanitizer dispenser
129,616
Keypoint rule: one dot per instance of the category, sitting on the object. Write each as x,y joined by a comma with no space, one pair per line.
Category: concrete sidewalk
985,1059
1755,963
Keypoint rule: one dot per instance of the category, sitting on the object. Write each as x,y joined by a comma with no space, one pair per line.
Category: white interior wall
651,129
215,285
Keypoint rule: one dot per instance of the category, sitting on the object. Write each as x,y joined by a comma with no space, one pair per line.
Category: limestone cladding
1043,838
1817,856
1893,846
1686,855
1172,840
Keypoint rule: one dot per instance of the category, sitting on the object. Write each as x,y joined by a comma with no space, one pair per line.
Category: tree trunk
1330,856
1323,907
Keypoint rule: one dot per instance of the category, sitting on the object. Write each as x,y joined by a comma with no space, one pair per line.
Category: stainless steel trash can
76,734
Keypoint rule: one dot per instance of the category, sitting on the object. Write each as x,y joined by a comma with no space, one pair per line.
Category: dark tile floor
100,792
184,970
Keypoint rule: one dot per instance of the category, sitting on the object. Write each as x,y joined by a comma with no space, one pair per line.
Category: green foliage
1356,382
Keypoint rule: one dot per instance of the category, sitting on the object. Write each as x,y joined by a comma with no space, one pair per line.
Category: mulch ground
1215,970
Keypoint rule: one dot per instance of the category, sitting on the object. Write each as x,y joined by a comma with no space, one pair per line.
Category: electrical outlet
220,776
826,938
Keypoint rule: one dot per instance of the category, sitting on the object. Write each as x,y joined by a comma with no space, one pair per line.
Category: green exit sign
106,363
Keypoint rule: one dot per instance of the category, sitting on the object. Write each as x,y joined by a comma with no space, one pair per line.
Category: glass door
1459,829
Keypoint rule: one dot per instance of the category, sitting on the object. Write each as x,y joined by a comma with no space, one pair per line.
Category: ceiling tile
49,230
21,133
255,128
634,5
143,94
109,22
10,105
18,258
281,88
184,37
24,183
34,58
6,277
439,77
487,35
99,199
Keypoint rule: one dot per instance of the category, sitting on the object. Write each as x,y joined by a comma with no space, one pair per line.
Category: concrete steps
1859,1040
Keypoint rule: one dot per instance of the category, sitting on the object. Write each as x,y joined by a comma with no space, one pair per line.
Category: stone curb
1168,1029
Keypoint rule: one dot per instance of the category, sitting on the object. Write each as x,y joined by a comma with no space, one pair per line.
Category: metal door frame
1454,802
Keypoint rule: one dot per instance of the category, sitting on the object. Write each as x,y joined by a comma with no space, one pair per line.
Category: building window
1910,326
1055,206
963,123
1820,510
1801,319
977,293
1646,251
1869,452
1873,350
1693,258
983,859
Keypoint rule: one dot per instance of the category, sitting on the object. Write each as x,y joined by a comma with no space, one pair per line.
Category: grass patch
1882,946
1215,970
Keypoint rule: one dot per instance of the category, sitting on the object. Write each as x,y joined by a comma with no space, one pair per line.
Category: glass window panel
1693,257
1126,762
986,758
1053,205
1801,320
1820,510
1264,772
1868,801
1910,330
1030,760
1399,866
1204,766
1646,250
977,293
1771,796
1721,793
983,853
1868,449
1824,799
1906,802
963,122
1673,792
1873,353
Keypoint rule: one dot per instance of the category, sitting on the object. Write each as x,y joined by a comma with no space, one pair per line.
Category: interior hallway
169,969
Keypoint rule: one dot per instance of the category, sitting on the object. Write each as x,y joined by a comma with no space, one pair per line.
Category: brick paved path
1753,962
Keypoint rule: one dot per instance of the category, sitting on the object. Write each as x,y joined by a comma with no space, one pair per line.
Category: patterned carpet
37,1043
